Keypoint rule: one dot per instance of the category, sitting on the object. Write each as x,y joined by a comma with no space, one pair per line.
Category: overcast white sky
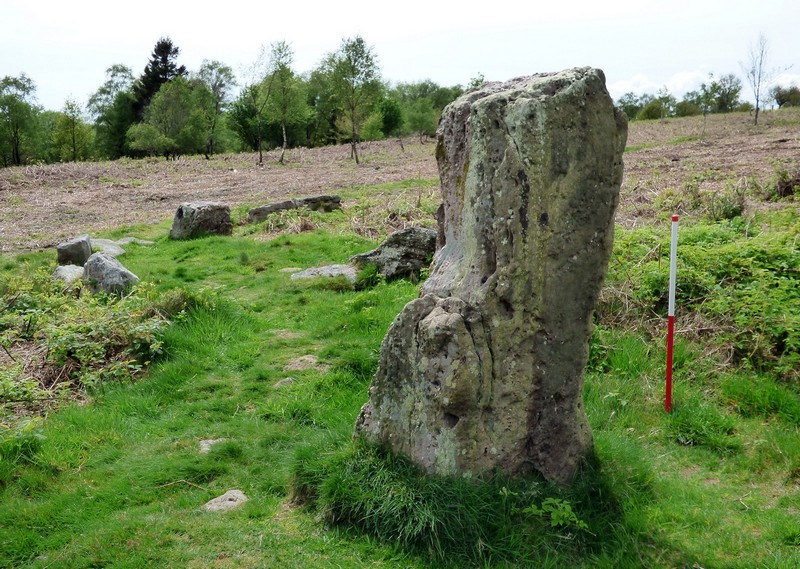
641,45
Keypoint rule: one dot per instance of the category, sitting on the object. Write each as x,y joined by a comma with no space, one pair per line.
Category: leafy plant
559,512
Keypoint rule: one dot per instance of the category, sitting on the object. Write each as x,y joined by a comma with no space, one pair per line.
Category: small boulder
75,251
230,500
70,274
201,218
404,253
103,273
325,204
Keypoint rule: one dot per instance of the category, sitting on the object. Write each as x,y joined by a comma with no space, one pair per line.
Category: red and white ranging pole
673,261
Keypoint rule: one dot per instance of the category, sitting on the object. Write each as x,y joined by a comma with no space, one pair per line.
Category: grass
119,480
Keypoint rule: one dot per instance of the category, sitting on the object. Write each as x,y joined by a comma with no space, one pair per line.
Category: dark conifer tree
160,69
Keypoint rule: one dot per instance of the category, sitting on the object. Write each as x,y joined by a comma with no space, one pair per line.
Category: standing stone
485,370
75,251
104,273
201,218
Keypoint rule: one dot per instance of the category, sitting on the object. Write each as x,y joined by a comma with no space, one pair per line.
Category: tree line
718,95
170,111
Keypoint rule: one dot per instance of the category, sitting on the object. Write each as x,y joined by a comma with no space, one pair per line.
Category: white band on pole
673,262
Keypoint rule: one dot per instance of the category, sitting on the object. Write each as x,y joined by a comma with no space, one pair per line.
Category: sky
642,46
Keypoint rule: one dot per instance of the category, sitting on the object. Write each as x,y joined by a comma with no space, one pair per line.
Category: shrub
651,111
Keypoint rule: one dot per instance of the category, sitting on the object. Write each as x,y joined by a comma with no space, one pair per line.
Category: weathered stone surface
347,271
69,274
404,253
201,218
230,500
325,204
485,370
103,273
75,251
108,246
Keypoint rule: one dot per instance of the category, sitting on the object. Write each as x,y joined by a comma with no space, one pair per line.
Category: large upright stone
485,370
201,218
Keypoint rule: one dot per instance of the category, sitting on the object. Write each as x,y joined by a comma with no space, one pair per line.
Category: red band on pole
673,261
670,343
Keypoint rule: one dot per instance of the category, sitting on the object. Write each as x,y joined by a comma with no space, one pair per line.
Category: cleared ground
666,163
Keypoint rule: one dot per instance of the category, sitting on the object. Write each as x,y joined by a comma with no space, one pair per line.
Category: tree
716,96
17,117
248,113
71,136
212,101
755,69
112,136
286,101
324,110
159,70
422,118
356,85
174,114
145,138
661,106
118,78
631,103
392,120
726,93
112,107
786,96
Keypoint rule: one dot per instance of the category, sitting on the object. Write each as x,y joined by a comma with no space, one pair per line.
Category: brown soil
43,205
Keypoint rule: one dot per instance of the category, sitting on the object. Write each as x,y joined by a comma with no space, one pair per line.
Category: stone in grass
404,253
230,500
75,251
201,218
347,271
206,444
103,273
69,274
324,204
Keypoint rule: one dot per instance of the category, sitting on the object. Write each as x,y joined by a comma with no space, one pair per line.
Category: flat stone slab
108,247
230,500
114,248
347,271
